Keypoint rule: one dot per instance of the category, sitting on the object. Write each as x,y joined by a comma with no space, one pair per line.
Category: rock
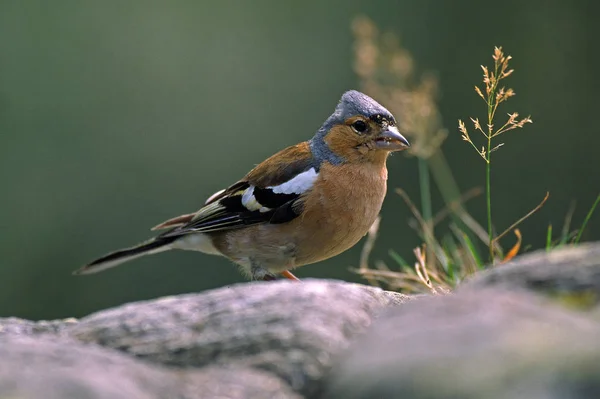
240,383
495,338
570,275
59,368
13,325
485,343
290,329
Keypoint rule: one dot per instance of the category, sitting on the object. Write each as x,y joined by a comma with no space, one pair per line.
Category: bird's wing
272,192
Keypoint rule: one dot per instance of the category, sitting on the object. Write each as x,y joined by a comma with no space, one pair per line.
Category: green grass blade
398,259
564,237
549,238
451,249
473,252
465,240
587,219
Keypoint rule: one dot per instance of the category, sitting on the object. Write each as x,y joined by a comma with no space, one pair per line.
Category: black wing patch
253,200
228,212
287,212
267,198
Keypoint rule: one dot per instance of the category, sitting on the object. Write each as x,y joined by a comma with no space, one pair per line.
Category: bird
307,203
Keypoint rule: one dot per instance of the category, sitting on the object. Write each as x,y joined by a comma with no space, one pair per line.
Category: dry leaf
515,249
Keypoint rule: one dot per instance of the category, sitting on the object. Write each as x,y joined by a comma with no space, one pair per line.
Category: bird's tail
113,259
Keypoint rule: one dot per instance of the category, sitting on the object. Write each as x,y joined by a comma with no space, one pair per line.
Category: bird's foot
260,273
287,274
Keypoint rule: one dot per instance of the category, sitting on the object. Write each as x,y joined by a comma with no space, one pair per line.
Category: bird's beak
391,140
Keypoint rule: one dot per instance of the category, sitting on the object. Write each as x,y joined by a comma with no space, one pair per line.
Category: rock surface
283,333
61,368
292,330
570,275
516,331
485,344
13,325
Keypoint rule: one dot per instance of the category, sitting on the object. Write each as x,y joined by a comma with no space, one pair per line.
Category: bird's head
359,129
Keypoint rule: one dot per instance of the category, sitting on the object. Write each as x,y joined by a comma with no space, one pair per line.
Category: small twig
380,265
367,249
388,274
428,235
531,212
454,205
420,266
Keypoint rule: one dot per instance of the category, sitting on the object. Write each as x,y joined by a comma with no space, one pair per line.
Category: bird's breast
342,206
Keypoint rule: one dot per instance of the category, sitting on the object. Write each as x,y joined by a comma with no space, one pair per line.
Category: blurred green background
117,115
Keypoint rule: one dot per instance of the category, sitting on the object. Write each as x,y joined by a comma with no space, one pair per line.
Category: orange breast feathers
339,210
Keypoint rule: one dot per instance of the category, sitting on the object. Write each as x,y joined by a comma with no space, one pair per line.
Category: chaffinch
307,203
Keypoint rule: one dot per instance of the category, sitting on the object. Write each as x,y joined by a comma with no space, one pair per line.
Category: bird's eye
359,126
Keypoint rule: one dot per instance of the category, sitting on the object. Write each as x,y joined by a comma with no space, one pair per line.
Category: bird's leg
287,274
290,254
258,272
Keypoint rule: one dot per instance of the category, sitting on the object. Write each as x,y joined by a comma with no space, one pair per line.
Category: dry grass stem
366,251
522,219
493,97
387,71
445,212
